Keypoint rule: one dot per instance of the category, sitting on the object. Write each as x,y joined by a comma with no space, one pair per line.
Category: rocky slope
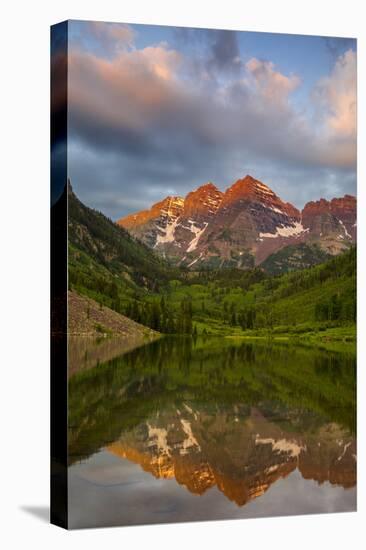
97,334
240,227
87,318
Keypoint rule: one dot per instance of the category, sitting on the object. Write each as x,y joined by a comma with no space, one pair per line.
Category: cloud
225,53
106,39
152,119
117,33
118,100
337,96
271,84
118,185
211,53
337,46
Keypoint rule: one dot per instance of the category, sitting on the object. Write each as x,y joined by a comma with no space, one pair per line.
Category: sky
157,111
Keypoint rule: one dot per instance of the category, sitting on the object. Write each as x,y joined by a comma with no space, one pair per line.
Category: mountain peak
172,206
248,182
205,200
207,187
248,179
248,187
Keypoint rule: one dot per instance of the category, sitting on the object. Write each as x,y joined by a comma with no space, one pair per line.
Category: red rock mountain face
240,227
334,222
203,203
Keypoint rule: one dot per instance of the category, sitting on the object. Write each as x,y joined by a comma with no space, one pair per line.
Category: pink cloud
337,94
128,90
147,90
113,37
269,83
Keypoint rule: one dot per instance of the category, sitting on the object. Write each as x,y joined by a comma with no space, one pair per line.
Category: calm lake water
207,429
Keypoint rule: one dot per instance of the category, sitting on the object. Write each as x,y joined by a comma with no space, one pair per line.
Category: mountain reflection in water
212,413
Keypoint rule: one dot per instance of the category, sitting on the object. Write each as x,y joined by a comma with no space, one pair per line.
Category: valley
286,297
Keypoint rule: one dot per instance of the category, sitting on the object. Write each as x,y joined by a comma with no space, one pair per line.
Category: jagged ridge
240,227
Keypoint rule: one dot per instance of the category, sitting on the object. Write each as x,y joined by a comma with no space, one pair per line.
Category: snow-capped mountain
240,227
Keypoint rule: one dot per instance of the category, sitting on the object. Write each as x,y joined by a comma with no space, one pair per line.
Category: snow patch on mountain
194,261
345,229
274,209
158,437
281,445
198,233
190,440
168,236
344,451
285,231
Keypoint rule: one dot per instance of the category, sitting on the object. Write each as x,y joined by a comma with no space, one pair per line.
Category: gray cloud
225,53
139,129
117,185
221,52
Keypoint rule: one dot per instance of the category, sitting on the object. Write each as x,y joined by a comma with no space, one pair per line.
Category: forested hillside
294,258
320,297
93,235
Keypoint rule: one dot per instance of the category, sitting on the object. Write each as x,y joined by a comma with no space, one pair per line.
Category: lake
185,429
